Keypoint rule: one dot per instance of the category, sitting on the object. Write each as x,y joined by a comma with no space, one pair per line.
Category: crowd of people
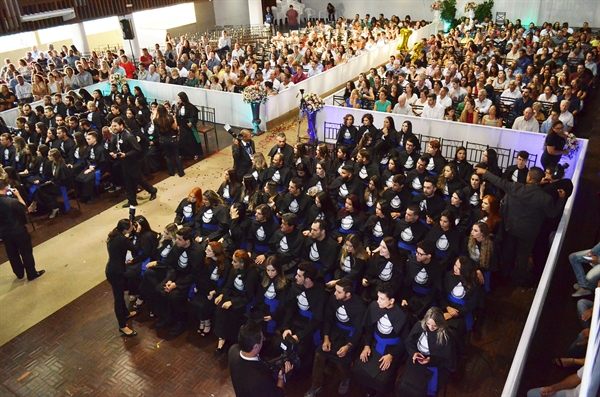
376,256
527,78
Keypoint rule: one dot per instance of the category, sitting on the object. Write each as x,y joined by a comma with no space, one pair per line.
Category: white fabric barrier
590,382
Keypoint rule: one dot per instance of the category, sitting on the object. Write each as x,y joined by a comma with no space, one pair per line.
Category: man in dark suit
243,151
250,376
525,208
14,234
126,149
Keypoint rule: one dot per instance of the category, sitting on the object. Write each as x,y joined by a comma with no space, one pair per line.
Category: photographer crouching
250,376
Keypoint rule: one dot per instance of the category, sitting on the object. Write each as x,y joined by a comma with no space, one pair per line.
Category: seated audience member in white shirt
526,122
433,110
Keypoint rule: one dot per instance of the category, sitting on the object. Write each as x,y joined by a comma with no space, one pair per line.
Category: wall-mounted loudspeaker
127,29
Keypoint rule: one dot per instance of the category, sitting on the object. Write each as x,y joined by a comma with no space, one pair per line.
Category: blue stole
382,343
469,316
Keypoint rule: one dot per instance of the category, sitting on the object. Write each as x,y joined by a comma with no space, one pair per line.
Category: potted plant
484,10
470,8
255,95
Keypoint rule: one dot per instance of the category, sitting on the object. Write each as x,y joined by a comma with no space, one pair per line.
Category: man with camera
250,376
243,150
342,330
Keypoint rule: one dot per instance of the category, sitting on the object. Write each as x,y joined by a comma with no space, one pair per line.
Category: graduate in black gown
287,243
188,208
385,330
237,295
212,219
446,239
348,133
321,250
261,231
352,262
342,332
209,282
379,225
268,309
386,265
431,350
146,241
187,118
49,190
95,162
118,245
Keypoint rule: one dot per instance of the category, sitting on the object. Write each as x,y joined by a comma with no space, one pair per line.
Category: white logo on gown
416,184
423,344
458,291
270,292
347,135
183,260
422,276
446,193
442,243
386,273
363,174
343,192
302,301
384,325
260,234
515,175
423,205
409,163
389,182
320,216
294,207
474,200
369,202
207,216
187,211
430,165
255,175
166,251
283,245
276,177
407,234
341,314
226,191
214,276
347,222
475,253
347,265
377,230
238,283
314,253
396,202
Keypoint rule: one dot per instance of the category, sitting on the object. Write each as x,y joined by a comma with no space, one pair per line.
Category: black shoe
177,330
90,201
182,174
127,205
153,195
37,274
130,335
220,351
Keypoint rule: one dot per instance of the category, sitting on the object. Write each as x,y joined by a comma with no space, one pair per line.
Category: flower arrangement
471,6
254,94
436,5
572,145
118,79
312,103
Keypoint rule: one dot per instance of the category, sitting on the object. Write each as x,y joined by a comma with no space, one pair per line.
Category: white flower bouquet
312,103
254,94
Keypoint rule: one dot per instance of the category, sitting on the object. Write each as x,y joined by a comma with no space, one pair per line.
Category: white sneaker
581,292
576,286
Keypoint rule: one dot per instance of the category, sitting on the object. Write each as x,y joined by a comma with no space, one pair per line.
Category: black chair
531,161
424,141
449,147
331,133
504,157
207,123
339,100
475,152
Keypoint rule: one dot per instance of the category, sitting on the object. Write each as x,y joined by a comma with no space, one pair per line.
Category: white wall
537,11
232,12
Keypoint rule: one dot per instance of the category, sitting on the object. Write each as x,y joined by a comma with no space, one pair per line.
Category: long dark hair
122,225
468,273
163,119
143,222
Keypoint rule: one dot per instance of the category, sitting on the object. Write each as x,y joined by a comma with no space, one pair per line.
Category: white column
79,37
134,44
256,12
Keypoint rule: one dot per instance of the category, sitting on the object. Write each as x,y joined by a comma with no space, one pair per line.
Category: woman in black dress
168,137
187,118
118,245
270,296
553,146
49,191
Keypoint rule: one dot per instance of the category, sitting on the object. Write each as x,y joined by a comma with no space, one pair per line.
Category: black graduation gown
387,175
242,157
97,157
230,194
430,206
280,176
350,223
297,205
188,145
408,161
514,174
436,164
343,324
351,267
409,234
270,301
212,222
381,270
462,217
376,229
240,290
315,213
48,192
321,183
185,213
384,331
348,136
260,235
209,278
237,236
336,167
323,254
464,168
288,154
451,186
414,180
418,378
287,247
398,201
339,189
366,171
422,284
447,244
304,310
455,295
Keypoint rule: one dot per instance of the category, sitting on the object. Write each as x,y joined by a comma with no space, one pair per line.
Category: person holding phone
431,356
